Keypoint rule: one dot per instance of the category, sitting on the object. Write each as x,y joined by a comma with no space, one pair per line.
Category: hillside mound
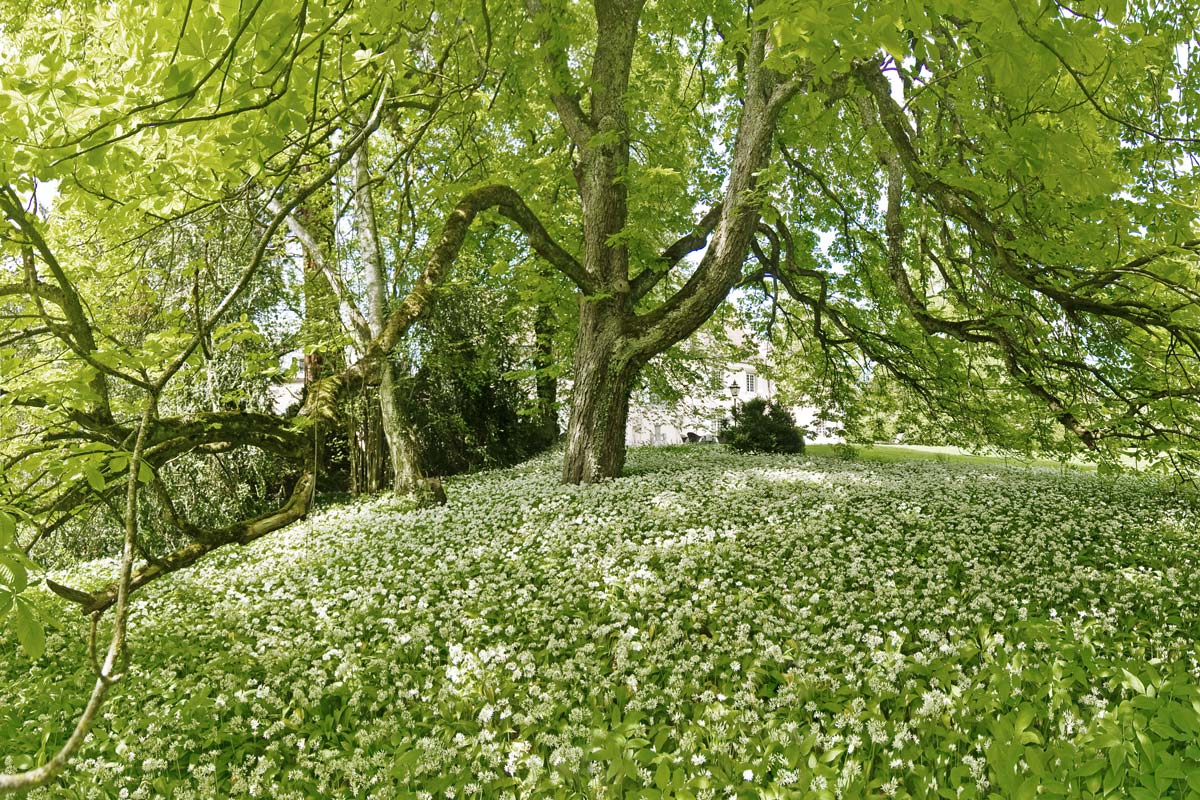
710,625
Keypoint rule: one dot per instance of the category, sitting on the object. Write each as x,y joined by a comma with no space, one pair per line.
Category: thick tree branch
509,204
241,533
79,335
323,394
563,93
171,437
188,434
1016,357
645,281
971,210
166,439
721,267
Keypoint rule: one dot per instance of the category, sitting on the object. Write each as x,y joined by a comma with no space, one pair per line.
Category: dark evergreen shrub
759,426
471,419
469,413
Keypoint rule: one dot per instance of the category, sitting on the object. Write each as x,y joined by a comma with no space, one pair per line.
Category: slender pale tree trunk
402,443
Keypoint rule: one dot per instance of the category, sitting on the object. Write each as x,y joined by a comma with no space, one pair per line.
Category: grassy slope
945,455
772,626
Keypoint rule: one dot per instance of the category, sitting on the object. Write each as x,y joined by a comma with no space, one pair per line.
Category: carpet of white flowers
709,626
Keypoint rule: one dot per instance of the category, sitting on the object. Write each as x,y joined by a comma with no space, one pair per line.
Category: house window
751,382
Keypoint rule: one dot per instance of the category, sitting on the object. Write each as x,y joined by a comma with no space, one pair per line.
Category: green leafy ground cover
708,626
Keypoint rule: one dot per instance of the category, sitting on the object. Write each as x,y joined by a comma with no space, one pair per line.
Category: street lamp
734,388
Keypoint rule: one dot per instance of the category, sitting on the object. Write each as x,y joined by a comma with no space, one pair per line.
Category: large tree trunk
603,372
402,443
604,375
615,340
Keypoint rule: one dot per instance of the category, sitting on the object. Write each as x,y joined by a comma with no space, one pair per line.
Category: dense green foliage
978,212
470,397
763,427
962,220
781,626
473,422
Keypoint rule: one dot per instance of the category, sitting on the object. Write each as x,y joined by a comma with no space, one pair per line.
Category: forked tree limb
506,201
563,92
696,239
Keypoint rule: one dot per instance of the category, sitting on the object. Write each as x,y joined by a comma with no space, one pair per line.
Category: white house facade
700,415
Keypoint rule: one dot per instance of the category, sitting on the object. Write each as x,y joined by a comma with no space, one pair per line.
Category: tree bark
403,447
547,382
603,379
402,443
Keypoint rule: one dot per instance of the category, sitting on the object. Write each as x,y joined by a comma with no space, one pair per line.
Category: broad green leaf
662,775
8,528
13,573
94,477
1134,682
29,629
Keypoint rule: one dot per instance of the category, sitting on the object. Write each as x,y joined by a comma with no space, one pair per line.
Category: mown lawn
709,626
945,455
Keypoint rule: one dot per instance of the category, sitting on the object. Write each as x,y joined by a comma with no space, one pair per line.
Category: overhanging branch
645,281
240,533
